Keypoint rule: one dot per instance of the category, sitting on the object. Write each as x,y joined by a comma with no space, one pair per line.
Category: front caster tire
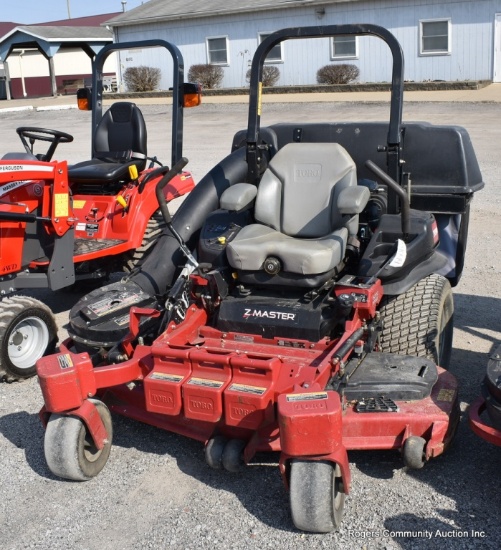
316,496
420,321
69,449
28,331
413,452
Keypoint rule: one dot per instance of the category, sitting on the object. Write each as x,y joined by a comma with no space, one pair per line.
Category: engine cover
286,317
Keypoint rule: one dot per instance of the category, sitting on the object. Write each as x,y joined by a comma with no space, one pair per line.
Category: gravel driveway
156,490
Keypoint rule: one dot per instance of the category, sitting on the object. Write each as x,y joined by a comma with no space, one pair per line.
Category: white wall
471,56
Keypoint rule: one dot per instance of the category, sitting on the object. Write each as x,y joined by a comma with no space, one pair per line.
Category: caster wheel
214,452
413,452
233,459
316,496
69,449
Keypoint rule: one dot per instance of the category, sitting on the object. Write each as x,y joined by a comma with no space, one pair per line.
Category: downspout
21,53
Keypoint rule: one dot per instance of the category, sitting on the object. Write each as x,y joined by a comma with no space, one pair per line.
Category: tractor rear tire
28,331
154,229
316,495
420,321
69,449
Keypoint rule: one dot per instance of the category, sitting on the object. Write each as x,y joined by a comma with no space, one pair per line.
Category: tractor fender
433,264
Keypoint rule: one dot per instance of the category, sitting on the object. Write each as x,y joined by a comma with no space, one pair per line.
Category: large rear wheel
27,332
154,229
420,321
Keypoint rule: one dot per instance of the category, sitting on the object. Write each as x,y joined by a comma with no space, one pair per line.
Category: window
275,55
435,37
344,47
217,50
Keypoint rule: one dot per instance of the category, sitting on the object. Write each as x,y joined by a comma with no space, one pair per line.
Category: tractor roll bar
177,88
397,87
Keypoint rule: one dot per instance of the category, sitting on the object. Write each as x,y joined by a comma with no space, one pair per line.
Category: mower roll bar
392,149
177,88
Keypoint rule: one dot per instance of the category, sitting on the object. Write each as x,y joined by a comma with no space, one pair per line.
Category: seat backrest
121,129
297,194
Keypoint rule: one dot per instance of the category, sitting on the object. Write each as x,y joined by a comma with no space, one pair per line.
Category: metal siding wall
470,58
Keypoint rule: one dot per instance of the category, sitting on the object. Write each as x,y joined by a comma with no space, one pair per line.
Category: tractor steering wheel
55,137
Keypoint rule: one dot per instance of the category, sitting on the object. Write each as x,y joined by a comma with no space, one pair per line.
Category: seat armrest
352,200
238,197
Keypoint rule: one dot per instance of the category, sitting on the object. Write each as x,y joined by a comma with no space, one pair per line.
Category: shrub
271,74
141,79
337,74
209,76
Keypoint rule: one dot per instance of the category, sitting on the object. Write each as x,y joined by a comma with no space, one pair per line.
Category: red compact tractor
296,303
60,224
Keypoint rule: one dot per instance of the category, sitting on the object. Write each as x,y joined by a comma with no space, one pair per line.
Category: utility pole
68,5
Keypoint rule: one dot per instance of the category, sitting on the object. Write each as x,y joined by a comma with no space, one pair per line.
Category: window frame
264,34
427,53
336,57
208,52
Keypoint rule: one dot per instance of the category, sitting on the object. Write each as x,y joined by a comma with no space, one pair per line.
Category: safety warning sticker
165,376
61,205
244,388
65,361
205,382
446,395
307,396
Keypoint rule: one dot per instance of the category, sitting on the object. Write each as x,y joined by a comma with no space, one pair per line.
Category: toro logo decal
249,312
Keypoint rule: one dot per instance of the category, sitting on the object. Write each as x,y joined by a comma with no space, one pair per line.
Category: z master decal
249,312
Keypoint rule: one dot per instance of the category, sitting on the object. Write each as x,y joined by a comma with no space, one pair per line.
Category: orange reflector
83,104
192,100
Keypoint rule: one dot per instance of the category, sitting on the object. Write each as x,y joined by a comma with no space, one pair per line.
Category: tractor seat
119,142
306,208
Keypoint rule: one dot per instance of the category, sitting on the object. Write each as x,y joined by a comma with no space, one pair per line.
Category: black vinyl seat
120,142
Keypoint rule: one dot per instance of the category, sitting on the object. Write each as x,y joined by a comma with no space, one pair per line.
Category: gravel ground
156,490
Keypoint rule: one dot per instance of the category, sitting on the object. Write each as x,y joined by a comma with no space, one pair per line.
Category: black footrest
376,404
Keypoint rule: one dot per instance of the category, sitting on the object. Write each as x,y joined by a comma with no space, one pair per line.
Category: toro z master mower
296,303
61,224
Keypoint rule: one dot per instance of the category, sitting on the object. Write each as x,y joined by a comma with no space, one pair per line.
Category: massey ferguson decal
249,312
4,189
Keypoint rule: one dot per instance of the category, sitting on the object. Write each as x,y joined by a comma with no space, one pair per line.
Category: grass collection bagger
60,224
485,411
295,303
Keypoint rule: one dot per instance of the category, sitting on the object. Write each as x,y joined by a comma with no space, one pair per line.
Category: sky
40,11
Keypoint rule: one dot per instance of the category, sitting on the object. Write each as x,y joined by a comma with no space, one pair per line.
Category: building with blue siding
446,40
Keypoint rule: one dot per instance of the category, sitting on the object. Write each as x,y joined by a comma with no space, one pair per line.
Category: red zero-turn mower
295,303
485,411
61,224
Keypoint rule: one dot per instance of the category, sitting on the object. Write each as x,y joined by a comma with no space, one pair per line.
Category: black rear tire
420,321
154,229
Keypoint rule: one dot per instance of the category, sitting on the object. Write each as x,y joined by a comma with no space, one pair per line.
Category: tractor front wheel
69,449
27,332
316,495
